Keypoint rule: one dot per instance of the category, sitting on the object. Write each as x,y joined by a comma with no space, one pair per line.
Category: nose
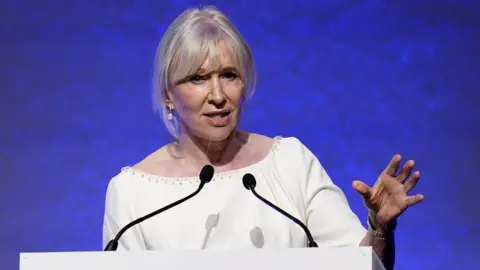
217,97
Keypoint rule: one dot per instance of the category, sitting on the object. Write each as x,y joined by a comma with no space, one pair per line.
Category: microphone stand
249,182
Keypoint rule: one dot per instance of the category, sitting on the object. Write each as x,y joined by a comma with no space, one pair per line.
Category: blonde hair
188,42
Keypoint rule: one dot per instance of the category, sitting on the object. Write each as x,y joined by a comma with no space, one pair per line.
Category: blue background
356,81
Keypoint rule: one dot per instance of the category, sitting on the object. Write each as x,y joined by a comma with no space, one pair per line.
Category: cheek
189,99
235,92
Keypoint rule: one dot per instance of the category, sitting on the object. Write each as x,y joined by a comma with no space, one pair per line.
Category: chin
217,134
212,133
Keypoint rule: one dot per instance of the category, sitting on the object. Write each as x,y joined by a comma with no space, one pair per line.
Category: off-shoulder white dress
224,215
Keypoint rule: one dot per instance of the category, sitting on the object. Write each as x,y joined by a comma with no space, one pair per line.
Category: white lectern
358,258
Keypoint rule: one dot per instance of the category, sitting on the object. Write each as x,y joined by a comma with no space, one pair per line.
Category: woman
204,73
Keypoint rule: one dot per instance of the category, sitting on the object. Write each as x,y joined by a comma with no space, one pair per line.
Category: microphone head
206,174
249,181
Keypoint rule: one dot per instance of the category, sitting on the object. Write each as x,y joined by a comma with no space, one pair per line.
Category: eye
196,79
229,75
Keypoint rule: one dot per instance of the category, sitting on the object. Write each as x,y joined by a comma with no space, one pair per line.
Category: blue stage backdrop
356,81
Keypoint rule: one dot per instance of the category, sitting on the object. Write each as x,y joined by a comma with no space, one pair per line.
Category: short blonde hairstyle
187,43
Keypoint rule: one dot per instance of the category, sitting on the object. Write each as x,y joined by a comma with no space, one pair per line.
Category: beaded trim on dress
194,179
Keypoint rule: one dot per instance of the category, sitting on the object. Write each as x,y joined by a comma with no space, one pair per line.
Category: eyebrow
203,72
223,69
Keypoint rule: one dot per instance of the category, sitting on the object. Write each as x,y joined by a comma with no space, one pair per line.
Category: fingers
393,166
406,170
363,189
412,200
412,181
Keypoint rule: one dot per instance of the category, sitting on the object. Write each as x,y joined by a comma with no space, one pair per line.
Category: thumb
362,188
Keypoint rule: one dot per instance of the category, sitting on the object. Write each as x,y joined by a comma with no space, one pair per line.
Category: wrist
378,226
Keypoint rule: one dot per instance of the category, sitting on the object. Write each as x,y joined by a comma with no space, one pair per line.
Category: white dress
225,215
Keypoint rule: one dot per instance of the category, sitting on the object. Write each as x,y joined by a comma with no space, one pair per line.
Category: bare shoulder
156,163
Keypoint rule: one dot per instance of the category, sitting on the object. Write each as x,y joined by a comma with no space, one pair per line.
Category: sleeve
118,213
328,213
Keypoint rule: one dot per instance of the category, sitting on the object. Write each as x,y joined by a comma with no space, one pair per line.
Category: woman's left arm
386,201
329,216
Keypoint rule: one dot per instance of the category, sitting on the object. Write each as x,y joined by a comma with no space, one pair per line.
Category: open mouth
218,114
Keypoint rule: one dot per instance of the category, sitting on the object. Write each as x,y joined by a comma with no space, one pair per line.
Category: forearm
384,247
382,241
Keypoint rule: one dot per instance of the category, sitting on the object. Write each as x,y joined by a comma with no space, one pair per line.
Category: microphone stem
133,223
311,242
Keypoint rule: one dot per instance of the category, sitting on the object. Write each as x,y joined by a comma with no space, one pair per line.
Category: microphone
206,174
250,183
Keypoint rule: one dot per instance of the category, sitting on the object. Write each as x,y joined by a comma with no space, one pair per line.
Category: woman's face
207,104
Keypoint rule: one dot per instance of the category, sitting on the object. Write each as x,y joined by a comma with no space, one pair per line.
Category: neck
204,151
